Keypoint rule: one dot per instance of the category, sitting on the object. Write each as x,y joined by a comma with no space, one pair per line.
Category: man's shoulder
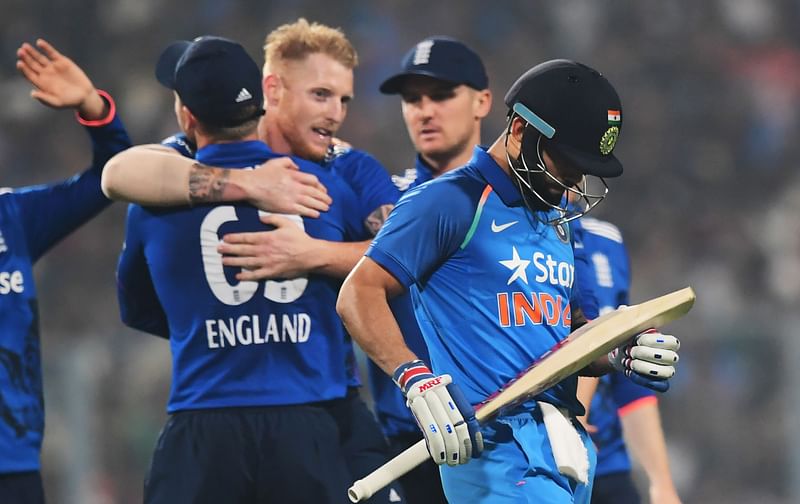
344,157
601,228
452,193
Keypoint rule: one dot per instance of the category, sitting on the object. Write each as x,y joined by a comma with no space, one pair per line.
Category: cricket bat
574,353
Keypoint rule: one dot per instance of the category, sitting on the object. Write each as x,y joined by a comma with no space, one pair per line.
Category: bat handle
366,487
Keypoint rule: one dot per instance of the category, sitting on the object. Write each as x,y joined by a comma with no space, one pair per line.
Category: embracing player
307,85
255,364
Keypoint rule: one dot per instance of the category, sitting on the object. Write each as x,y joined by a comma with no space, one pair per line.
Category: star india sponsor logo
523,307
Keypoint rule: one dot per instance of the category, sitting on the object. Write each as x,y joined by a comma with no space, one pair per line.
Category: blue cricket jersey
608,273
374,188
390,405
32,220
236,344
490,281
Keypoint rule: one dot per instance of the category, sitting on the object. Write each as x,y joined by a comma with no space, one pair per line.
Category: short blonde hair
295,41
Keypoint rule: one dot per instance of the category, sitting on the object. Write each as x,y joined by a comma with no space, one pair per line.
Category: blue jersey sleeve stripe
391,265
478,211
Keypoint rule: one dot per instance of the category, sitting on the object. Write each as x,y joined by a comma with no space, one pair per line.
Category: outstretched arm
155,175
60,83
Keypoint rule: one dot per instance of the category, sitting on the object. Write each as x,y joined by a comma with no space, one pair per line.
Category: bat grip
410,458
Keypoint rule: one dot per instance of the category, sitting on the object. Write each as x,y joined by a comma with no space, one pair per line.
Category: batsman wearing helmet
485,253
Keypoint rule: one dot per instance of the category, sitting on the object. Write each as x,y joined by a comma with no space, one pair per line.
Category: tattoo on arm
207,184
375,220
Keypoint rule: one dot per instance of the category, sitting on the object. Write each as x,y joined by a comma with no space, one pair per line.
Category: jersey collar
423,171
232,153
499,180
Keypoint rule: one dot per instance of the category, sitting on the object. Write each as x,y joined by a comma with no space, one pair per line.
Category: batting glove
648,359
445,417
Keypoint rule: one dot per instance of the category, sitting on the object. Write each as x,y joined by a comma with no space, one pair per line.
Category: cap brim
600,166
165,67
394,84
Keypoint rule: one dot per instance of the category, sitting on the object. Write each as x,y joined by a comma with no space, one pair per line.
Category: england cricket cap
576,108
442,58
214,77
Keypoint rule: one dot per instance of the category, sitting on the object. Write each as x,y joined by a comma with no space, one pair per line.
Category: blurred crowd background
710,198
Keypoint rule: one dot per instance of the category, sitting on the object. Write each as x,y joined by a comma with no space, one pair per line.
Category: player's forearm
599,367
645,440
148,175
369,320
586,389
336,259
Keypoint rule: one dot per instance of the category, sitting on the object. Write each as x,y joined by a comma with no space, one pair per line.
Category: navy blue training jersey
374,188
237,343
32,220
608,274
491,283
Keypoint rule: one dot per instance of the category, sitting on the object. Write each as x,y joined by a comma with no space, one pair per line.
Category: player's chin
315,151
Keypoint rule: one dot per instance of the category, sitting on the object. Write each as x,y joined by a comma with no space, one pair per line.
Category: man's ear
515,136
190,121
483,103
273,89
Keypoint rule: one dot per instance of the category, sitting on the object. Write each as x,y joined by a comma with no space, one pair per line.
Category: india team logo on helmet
576,109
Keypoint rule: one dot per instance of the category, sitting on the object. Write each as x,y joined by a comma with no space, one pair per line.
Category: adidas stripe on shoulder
602,228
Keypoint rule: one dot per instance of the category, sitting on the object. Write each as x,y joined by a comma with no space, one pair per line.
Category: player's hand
285,252
58,81
442,412
279,186
648,359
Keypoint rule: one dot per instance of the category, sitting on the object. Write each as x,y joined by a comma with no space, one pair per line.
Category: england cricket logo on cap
423,53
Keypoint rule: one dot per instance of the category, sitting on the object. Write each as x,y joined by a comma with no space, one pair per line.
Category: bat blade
585,345
577,351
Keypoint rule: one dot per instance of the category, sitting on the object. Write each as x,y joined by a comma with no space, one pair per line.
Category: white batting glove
648,359
445,417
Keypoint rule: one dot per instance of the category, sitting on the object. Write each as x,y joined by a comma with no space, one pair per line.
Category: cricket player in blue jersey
307,84
316,312
618,404
485,253
32,220
445,95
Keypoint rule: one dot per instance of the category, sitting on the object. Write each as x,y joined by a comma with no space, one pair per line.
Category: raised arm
59,82
155,175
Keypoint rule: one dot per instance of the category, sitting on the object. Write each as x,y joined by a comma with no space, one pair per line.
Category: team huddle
263,247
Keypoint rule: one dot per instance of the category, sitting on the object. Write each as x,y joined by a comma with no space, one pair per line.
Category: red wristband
112,111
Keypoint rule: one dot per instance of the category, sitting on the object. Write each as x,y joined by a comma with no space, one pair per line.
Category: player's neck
206,140
270,133
498,152
442,165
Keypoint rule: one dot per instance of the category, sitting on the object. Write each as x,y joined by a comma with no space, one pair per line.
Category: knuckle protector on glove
651,370
654,355
658,340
